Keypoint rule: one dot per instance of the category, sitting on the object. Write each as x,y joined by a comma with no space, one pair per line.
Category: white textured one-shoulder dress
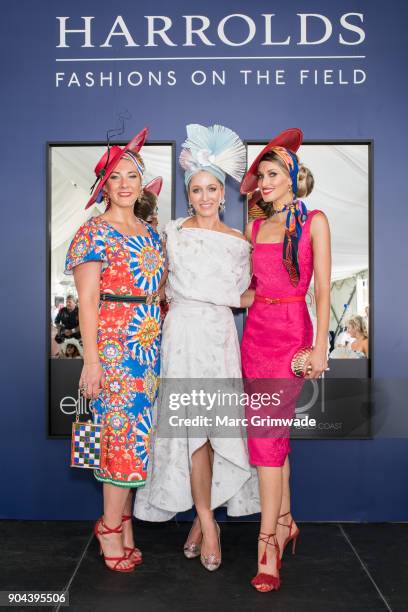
208,271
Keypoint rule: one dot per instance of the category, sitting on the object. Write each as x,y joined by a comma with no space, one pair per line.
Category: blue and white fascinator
215,149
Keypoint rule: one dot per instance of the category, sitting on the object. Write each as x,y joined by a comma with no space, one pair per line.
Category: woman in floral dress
118,266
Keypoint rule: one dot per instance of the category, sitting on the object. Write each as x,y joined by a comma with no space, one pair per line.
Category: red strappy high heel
267,582
106,530
136,552
291,537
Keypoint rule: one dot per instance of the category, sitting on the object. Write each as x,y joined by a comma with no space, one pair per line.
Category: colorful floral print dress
128,342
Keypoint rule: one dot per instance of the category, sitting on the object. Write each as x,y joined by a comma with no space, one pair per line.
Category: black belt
141,299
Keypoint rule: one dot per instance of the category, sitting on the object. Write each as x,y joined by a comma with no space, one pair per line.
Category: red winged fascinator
110,160
154,186
290,140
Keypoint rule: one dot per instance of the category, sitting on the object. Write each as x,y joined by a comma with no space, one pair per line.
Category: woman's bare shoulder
248,230
319,218
232,232
319,225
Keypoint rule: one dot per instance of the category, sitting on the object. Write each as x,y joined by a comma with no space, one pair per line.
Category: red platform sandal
102,529
292,536
135,554
267,582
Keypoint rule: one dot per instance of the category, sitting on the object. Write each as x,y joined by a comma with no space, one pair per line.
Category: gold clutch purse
299,360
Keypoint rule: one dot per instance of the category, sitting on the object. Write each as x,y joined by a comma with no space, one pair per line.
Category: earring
190,210
106,199
222,206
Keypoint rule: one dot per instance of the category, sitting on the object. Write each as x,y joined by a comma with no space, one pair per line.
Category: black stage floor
336,567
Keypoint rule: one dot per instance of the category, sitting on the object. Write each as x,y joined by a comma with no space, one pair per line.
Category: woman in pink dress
289,246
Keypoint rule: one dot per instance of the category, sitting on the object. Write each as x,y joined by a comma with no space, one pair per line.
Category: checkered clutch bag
87,450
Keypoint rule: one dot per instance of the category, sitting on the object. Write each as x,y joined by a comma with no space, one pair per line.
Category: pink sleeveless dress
273,334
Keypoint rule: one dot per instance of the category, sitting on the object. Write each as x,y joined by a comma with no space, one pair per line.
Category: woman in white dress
209,268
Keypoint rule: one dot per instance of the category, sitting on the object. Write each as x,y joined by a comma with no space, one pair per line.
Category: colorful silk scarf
295,221
291,163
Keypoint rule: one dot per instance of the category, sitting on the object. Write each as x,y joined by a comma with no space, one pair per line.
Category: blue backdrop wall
347,480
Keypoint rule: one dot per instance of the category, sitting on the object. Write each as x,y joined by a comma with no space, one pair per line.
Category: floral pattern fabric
128,342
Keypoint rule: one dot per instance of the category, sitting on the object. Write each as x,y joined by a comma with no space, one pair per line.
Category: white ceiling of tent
341,191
